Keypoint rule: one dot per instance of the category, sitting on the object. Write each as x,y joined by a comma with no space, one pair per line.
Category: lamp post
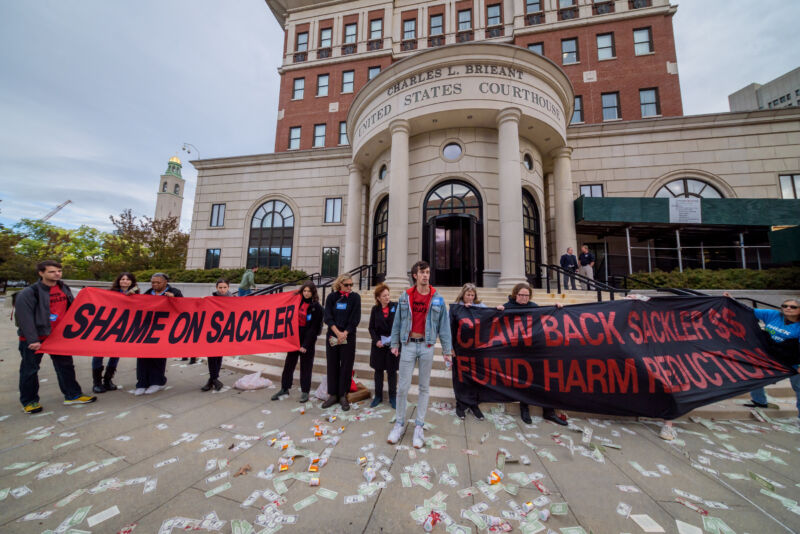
188,147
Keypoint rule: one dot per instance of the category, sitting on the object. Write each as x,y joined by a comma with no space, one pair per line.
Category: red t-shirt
302,318
58,305
419,309
385,312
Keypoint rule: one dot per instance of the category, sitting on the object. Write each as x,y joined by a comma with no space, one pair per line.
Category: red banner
106,323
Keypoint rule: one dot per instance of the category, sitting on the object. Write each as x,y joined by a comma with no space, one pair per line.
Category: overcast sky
97,95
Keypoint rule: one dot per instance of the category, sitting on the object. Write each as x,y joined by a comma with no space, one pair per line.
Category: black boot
192,361
97,378
525,414
107,383
208,386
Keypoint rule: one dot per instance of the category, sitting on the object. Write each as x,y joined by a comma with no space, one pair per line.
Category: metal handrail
682,292
358,271
280,286
599,287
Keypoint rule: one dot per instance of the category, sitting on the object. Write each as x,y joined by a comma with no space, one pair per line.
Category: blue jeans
244,292
29,375
97,362
760,396
409,354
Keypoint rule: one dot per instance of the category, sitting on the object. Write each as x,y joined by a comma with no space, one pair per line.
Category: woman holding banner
125,283
468,296
380,353
521,298
342,315
215,362
310,325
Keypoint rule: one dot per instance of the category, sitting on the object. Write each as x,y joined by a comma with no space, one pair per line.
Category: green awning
785,245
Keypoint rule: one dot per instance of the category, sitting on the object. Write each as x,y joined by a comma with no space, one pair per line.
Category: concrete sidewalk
149,460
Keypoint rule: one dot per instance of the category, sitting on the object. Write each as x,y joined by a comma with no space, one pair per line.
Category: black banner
658,358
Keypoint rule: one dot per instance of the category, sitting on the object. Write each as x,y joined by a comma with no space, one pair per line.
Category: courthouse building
486,137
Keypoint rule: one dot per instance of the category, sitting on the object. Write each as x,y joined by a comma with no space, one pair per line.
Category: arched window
164,188
532,233
379,234
271,233
688,188
382,172
177,189
452,197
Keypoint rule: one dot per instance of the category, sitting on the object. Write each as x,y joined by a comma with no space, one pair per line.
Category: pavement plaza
183,459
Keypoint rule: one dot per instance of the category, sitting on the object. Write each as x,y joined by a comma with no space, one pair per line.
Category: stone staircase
270,365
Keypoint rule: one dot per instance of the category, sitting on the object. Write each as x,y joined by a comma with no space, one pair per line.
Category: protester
39,308
521,298
468,296
570,264
422,318
222,289
342,315
248,283
151,372
380,354
586,268
309,320
124,283
783,328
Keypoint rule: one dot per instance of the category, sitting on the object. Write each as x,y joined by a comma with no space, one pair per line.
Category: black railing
409,44
436,40
348,49
623,279
366,277
638,4
568,13
322,53
495,31
601,8
375,44
755,302
549,275
300,57
464,37
532,19
316,278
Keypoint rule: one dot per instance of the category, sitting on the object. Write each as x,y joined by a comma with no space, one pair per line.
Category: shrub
780,278
263,276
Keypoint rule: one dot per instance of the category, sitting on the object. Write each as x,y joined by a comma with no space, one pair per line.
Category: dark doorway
453,234
380,233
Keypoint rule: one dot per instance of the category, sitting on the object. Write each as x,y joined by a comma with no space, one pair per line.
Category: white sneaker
139,391
419,437
667,433
153,389
396,434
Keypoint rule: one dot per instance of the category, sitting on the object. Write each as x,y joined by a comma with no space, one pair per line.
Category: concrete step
441,389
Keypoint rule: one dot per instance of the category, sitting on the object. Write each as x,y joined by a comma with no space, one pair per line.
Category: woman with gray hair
151,372
342,315
468,296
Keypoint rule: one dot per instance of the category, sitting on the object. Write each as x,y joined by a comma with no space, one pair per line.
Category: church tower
170,191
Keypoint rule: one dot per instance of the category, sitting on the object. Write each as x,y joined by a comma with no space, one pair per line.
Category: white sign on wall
685,210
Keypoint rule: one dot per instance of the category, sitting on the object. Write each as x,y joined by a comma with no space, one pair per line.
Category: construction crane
55,210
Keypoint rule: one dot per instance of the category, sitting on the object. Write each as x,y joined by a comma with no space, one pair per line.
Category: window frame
656,102
650,45
295,89
440,26
299,130
540,45
611,46
298,44
343,132
405,30
489,16
529,3
322,39
327,85
347,37
351,83
563,53
591,190
317,135
369,72
215,257
372,35
793,182
459,22
577,110
217,219
332,205
617,106
322,261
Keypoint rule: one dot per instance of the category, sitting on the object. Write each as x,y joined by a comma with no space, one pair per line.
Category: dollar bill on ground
240,526
353,499
405,478
251,499
308,501
20,492
76,518
766,484
327,494
572,530
36,516
452,469
466,492
150,485
532,526
106,514
218,490
624,509
646,523
558,508
478,521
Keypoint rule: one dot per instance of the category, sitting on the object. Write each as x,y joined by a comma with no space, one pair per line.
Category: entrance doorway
453,234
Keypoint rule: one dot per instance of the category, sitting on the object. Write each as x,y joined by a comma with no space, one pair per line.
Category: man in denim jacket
421,318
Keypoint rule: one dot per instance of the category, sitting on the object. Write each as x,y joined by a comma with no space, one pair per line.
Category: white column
397,238
565,213
512,259
352,245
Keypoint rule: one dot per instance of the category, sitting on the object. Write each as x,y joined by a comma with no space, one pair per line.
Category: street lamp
188,147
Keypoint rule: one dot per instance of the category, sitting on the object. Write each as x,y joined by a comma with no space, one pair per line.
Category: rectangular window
577,114
302,42
593,190
648,100
298,88
610,103
217,215
409,29
537,48
376,29
325,37
322,85
533,6
569,51
790,185
333,210
330,261
347,81
493,15
372,72
319,135
565,3
350,33
294,138
343,133
605,46
464,20
642,41
437,27
212,258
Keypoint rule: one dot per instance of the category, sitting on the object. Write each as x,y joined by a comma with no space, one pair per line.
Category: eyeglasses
524,295
347,285
790,306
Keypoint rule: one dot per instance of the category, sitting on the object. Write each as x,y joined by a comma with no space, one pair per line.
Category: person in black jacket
39,308
215,362
309,319
342,315
521,298
570,264
151,372
380,353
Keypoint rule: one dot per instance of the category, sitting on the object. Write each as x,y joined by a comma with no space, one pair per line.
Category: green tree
139,244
